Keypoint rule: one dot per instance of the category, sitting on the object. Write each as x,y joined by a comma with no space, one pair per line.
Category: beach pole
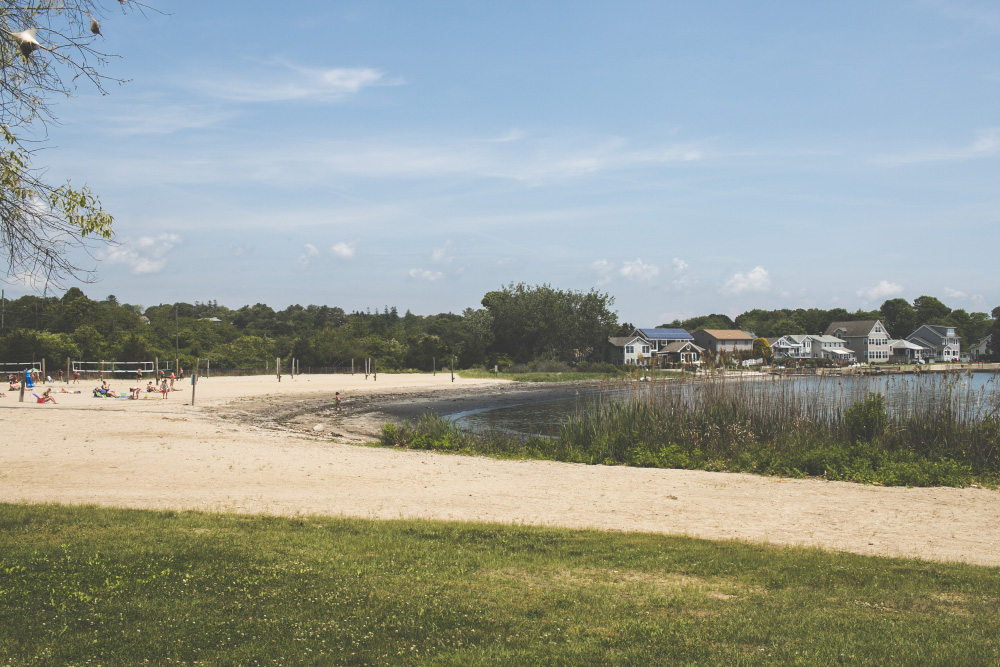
277,367
194,381
68,365
293,368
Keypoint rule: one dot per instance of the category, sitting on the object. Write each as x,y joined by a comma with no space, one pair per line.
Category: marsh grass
88,586
932,431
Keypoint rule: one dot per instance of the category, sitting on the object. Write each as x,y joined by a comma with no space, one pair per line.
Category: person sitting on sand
150,389
47,396
14,385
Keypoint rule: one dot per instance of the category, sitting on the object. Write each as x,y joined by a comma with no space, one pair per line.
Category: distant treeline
517,324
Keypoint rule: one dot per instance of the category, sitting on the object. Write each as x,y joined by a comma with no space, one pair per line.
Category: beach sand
230,452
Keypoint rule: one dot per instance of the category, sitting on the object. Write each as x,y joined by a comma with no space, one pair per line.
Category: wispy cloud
308,252
282,81
159,120
605,270
954,293
983,15
148,254
985,145
681,277
445,254
883,290
424,274
756,279
640,271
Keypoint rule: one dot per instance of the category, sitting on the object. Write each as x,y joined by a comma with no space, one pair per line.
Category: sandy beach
254,445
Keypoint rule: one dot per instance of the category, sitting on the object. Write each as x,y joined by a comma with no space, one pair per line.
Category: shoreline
228,453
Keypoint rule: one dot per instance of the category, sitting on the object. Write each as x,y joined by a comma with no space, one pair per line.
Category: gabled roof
826,339
728,334
619,341
853,329
681,345
665,334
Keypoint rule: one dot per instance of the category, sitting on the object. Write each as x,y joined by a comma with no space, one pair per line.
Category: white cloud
146,255
954,293
512,135
605,270
308,252
424,274
986,144
343,250
756,280
881,291
444,254
680,272
157,119
290,82
640,271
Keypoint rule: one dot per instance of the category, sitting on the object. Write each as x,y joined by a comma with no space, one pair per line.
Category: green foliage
759,427
545,323
866,421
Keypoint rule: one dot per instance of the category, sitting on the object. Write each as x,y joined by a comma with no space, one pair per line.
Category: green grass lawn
87,586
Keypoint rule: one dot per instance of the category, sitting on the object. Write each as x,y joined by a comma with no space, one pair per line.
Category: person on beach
138,375
336,400
172,378
60,375
150,389
76,377
164,389
135,391
47,396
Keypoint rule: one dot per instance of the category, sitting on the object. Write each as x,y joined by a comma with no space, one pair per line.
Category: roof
826,339
728,334
905,344
681,345
853,329
619,341
665,334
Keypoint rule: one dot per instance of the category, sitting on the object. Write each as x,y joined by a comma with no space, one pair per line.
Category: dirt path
169,454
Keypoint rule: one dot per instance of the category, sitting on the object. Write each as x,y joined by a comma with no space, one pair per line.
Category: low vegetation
85,586
936,433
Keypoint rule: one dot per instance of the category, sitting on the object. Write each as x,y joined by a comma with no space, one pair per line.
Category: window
629,349
645,349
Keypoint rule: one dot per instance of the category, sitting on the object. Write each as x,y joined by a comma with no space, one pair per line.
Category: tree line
516,324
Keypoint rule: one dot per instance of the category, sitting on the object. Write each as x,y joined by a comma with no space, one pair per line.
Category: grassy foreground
87,586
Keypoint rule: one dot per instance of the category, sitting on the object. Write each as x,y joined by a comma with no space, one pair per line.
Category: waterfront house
981,350
942,341
831,347
729,341
867,339
681,352
907,352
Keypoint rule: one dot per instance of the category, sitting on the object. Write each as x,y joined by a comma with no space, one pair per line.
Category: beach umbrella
26,40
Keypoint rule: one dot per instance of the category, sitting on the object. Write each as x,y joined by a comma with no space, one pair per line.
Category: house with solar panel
654,348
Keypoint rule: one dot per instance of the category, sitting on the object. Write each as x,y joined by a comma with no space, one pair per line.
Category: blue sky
684,157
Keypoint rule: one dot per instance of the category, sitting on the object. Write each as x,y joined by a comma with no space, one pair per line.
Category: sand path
169,454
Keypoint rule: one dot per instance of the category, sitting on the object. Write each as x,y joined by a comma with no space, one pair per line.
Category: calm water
977,394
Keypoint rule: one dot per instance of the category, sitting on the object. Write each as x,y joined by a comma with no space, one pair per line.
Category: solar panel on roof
666,334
